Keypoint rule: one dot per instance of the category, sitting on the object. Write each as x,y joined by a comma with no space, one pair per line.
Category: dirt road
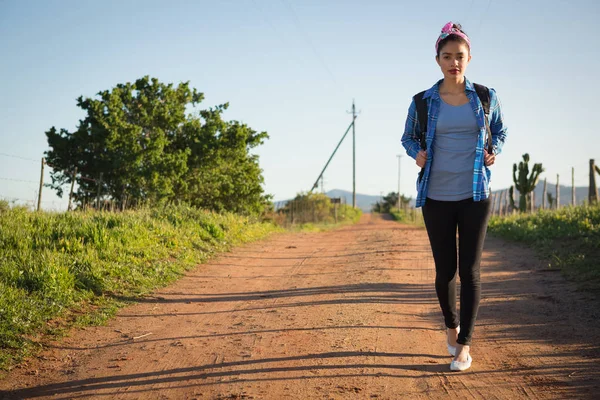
347,314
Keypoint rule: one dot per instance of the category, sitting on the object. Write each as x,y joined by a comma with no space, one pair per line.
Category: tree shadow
200,375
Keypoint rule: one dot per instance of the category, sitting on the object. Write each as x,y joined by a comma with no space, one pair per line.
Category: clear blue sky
292,68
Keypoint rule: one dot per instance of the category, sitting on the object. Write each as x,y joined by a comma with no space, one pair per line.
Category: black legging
442,218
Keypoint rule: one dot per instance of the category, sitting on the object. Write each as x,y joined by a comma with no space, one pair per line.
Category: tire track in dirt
350,313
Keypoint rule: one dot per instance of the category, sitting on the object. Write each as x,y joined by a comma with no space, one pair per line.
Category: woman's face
453,60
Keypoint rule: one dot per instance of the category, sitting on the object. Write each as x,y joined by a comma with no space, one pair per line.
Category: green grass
63,269
347,215
568,238
412,217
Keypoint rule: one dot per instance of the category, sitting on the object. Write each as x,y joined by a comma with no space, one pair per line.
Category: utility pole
353,155
399,159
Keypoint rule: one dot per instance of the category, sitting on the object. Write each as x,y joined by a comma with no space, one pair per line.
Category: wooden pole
593,190
353,155
501,203
39,204
544,195
98,193
573,196
557,193
71,191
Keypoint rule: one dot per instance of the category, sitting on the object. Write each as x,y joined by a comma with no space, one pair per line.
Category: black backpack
484,96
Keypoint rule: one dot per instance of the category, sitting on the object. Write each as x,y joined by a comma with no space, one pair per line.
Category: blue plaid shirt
481,173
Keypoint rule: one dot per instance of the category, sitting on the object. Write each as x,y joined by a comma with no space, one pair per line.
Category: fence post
573,196
39,204
98,193
544,195
71,191
593,190
557,193
533,201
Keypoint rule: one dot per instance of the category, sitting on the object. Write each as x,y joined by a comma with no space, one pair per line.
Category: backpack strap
483,93
422,113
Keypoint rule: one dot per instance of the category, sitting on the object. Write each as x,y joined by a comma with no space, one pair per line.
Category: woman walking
463,133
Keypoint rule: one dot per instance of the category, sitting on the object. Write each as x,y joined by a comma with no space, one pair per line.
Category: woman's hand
489,159
421,158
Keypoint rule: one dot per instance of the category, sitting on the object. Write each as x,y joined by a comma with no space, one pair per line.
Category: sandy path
345,314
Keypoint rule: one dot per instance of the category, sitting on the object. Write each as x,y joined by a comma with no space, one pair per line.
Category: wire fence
548,195
24,185
21,187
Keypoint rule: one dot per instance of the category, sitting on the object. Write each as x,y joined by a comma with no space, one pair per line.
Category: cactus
525,182
511,198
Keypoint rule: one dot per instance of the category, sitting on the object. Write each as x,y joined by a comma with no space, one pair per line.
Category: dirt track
348,314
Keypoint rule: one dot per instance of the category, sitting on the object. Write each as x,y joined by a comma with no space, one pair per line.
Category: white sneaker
461,366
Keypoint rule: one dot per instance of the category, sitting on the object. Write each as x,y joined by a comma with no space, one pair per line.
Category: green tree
390,202
151,146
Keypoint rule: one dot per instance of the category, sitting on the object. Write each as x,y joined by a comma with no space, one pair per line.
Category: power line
268,21
470,11
16,180
19,157
483,15
310,43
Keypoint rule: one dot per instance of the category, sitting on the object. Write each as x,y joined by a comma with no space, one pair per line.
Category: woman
453,187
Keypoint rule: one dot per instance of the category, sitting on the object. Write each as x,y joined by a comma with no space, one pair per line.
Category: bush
315,208
4,206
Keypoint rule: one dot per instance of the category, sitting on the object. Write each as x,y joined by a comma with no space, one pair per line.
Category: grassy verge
347,216
568,238
412,217
60,270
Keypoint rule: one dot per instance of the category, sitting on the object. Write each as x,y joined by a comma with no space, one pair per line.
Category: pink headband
448,30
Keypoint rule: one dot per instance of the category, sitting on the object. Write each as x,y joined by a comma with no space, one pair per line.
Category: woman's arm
410,138
497,125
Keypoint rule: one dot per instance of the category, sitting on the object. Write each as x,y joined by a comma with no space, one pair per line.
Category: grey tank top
451,175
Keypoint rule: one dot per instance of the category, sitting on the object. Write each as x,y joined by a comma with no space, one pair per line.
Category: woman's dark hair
453,38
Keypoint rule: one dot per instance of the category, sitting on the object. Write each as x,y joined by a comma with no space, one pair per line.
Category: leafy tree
390,202
149,147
